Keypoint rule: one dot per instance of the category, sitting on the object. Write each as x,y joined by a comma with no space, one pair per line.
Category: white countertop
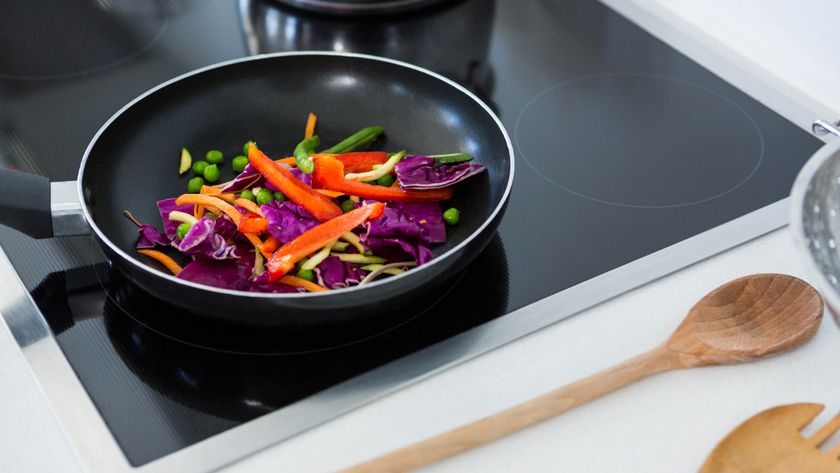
776,50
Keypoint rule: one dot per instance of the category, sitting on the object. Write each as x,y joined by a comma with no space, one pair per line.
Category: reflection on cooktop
675,143
425,38
75,38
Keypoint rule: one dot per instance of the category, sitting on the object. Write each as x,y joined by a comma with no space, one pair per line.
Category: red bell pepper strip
361,161
321,207
329,173
252,223
284,259
270,245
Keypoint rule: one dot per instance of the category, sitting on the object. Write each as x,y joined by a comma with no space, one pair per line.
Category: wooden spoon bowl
747,318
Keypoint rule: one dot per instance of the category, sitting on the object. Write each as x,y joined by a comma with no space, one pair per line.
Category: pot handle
39,208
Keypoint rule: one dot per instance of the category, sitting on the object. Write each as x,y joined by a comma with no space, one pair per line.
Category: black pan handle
33,205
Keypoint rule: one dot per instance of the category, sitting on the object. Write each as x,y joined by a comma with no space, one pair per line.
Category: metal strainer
815,215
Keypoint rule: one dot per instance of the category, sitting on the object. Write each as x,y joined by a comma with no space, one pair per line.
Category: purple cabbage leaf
420,172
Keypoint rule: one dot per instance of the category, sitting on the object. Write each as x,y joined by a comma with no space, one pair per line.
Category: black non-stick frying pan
132,162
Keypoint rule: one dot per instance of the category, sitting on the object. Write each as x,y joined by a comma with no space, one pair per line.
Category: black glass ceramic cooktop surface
624,147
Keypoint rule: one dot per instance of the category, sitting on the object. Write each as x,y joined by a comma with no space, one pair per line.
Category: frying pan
132,162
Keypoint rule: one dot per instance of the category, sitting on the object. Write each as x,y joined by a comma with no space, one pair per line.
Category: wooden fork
771,442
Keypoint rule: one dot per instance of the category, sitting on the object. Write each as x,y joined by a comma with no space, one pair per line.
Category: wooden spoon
749,318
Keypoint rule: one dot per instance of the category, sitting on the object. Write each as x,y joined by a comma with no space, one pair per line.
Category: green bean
386,180
450,158
302,154
356,140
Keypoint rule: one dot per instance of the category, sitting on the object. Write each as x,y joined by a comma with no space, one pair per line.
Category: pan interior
134,162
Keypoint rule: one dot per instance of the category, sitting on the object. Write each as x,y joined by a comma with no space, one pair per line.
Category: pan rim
305,295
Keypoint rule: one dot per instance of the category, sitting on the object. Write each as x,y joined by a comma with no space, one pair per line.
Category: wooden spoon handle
523,415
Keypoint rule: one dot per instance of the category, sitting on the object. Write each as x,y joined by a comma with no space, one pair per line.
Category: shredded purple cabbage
287,220
262,284
306,178
334,273
165,207
203,241
151,237
225,227
249,177
399,249
420,172
405,231
227,274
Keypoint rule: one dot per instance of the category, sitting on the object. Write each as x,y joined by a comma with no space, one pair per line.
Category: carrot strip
198,211
212,201
212,190
314,239
249,206
163,259
215,192
131,217
321,207
255,240
310,126
298,282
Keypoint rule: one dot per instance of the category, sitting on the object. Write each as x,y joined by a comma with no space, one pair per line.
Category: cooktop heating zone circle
638,140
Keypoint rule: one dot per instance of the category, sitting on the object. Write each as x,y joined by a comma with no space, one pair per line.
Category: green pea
194,185
307,274
211,173
214,156
246,147
347,205
452,216
183,229
385,180
238,163
198,167
211,215
265,197
247,194
279,196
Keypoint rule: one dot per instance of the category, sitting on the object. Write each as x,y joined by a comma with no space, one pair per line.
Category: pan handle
33,205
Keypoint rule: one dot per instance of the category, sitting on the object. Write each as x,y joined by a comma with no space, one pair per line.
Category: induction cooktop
631,161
